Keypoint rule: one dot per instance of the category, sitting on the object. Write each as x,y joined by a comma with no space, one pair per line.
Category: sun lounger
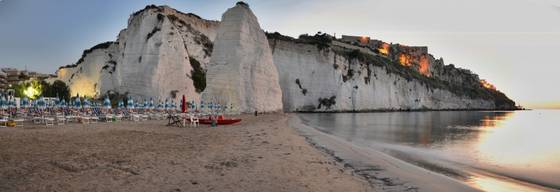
3,122
94,119
135,117
194,121
19,122
60,119
49,121
108,117
37,120
85,119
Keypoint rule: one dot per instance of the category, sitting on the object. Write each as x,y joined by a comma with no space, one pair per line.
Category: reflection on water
522,145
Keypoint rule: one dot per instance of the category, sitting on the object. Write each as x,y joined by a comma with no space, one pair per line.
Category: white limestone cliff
241,70
162,50
324,80
151,57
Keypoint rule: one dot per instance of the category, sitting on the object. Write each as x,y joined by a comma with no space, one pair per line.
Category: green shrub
198,75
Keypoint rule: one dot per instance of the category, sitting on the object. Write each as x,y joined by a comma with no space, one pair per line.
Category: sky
512,43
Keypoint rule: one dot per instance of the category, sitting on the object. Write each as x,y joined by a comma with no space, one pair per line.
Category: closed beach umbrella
107,103
3,102
77,103
184,104
87,104
24,102
41,102
120,104
130,103
151,103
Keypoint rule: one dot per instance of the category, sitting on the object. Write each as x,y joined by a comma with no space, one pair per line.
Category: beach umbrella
41,102
77,103
3,102
152,103
184,104
107,103
87,104
63,103
130,103
120,104
193,105
24,102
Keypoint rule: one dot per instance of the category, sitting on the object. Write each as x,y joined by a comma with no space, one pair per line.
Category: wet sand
260,154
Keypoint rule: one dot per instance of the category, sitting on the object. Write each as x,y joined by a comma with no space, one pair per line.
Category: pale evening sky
512,43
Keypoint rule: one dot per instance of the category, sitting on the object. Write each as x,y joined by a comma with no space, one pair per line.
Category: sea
488,150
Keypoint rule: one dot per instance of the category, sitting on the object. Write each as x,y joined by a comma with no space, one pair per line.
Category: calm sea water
489,150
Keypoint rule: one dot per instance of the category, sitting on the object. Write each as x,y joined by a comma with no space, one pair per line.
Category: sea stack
241,71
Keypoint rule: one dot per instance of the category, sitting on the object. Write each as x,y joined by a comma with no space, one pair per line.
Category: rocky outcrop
161,54
241,70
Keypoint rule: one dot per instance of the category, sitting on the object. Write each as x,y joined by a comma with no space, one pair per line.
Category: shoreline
407,110
382,171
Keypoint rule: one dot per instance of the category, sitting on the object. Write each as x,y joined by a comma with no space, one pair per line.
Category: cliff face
164,53
158,55
319,74
241,70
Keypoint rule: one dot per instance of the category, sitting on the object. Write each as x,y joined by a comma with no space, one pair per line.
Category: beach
259,154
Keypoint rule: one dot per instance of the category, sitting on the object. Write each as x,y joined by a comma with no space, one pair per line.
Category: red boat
221,121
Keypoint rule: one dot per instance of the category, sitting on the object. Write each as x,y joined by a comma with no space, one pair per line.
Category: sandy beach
260,154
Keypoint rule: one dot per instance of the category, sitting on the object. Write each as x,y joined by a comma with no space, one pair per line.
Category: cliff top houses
12,76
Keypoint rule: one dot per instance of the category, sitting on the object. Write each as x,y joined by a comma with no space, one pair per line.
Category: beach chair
84,119
60,120
119,117
49,121
135,117
19,122
37,120
144,117
94,119
108,118
194,121
3,122
173,120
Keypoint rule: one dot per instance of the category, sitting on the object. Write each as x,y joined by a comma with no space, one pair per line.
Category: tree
58,89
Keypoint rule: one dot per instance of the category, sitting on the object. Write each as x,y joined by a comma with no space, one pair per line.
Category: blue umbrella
120,104
24,102
77,103
41,102
87,104
193,105
3,102
151,103
130,103
107,103
63,103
